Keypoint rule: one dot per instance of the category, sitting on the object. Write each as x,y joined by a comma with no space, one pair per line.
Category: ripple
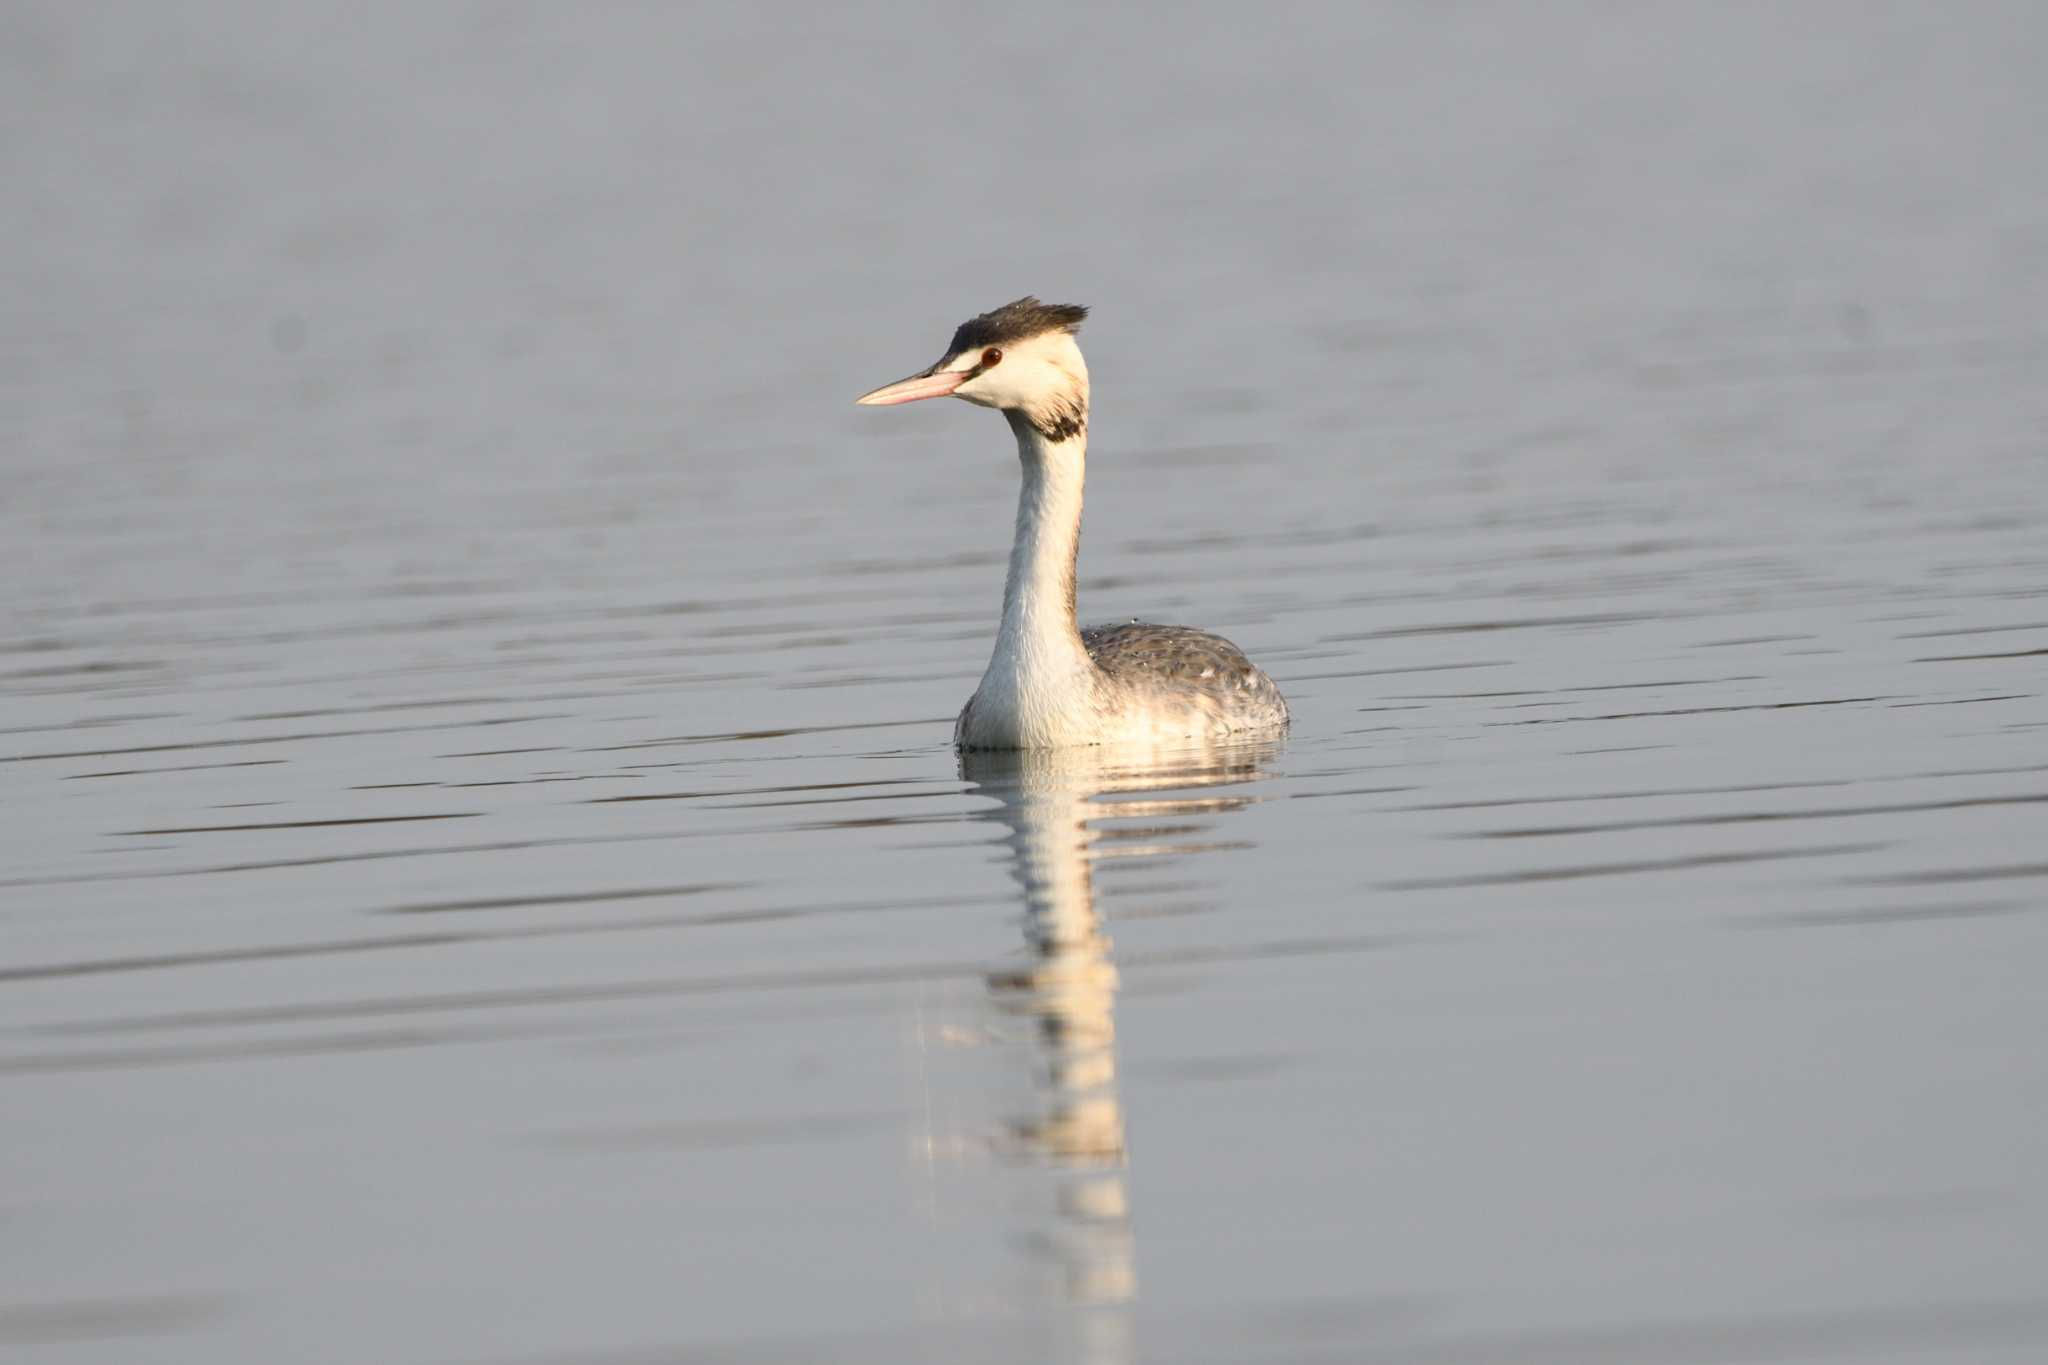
1579,872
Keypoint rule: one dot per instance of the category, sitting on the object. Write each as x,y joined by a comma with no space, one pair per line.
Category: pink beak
930,384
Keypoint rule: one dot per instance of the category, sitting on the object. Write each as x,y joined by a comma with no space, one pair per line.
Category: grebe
1050,684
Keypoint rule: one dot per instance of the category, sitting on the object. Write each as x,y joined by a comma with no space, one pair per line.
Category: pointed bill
933,383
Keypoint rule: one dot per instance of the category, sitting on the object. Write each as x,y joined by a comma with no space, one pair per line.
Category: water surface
485,876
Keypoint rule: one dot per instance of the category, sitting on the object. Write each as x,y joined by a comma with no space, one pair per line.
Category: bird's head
1021,358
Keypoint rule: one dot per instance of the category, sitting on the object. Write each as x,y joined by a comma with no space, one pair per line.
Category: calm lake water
485,878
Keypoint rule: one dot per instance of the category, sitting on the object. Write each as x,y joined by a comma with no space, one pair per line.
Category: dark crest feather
1013,322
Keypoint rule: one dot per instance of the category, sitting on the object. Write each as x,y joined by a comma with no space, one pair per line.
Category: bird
1049,683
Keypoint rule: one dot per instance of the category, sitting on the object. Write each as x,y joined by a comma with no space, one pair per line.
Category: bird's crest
1014,322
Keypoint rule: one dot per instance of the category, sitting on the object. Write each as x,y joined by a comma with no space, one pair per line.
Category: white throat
1040,686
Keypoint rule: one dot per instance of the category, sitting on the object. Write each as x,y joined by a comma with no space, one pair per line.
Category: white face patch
1039,374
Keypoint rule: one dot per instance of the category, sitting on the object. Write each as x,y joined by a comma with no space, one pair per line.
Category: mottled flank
1152,683
1157,668
1015,321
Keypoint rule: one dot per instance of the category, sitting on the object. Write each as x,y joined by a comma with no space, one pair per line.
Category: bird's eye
991,358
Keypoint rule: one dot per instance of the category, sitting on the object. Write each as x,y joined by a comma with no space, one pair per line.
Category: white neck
1038,595
1040,684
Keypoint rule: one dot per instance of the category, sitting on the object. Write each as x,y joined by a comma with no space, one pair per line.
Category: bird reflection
1066,809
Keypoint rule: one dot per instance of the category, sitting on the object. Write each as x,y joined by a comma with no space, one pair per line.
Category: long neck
1038,628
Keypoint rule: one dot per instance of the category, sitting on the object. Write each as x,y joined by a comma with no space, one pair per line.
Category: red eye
991,358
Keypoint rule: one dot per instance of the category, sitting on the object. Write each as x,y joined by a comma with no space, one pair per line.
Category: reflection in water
1053,802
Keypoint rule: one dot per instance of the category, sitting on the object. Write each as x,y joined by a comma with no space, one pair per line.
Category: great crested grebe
1050,684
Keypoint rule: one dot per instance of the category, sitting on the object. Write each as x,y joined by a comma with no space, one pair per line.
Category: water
485,876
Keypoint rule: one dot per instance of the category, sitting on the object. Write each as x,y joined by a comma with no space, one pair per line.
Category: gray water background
485,879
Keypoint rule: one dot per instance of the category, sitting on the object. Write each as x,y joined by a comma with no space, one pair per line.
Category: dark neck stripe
1062,423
